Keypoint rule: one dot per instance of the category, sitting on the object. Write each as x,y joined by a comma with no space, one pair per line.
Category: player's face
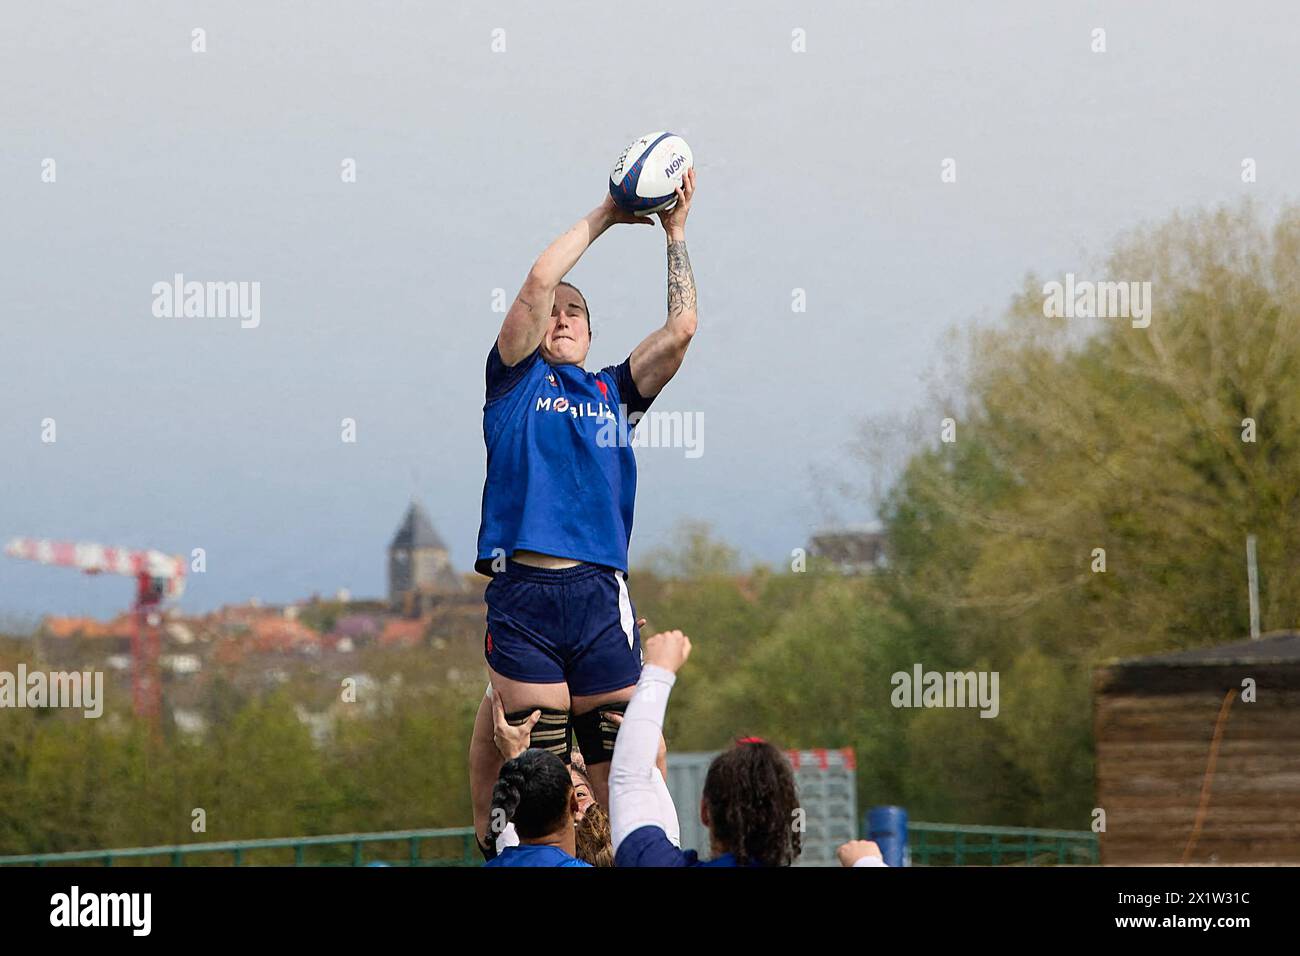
581,791
568,339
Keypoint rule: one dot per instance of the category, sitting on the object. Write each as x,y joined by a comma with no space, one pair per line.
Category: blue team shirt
650,846
561,473
530,855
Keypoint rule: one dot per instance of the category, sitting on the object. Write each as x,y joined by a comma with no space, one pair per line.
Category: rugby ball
647,173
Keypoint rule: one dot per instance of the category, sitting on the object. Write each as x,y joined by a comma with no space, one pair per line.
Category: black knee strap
596,733
551,732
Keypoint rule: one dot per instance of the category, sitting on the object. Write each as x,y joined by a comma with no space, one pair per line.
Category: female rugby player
749,804
591,820
561,634
535,794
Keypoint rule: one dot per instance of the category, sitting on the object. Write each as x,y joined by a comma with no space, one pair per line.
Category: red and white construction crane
159,577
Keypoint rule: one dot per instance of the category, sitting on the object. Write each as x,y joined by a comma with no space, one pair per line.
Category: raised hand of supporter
511,739
855,850
668,650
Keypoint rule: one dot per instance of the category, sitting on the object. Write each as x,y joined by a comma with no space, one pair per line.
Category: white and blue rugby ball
647,173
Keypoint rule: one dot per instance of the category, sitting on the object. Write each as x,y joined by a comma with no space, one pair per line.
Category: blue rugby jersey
650,846
534,855
561,473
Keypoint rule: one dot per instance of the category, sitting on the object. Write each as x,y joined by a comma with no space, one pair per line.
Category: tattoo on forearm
681,281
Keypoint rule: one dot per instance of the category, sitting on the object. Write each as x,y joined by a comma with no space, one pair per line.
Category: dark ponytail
532,792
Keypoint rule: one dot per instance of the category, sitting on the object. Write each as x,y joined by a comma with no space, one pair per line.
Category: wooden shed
1179,740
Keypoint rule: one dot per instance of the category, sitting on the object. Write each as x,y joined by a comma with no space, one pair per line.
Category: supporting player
591,819
535,794
749,804
558,504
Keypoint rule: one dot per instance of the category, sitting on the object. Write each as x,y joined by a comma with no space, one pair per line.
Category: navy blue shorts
572,625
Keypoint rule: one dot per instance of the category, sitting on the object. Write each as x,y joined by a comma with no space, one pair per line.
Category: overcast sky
818,170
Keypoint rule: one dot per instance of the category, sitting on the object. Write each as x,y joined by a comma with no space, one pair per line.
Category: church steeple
416,531
419,565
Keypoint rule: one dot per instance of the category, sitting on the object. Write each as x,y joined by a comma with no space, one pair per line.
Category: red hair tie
750,740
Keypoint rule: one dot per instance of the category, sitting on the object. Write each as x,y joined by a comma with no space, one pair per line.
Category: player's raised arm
526,322
659,356
634,799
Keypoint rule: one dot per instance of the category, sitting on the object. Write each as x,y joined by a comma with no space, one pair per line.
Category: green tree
1077,438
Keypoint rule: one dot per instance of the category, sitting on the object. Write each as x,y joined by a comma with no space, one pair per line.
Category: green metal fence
931,844
943,844
448,847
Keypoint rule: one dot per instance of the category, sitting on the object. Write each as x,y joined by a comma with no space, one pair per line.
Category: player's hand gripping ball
647,175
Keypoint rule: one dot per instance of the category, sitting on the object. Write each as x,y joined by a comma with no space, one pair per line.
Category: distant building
850,551
1197,753
419,566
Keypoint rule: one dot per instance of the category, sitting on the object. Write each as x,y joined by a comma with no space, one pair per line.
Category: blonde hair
594,841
